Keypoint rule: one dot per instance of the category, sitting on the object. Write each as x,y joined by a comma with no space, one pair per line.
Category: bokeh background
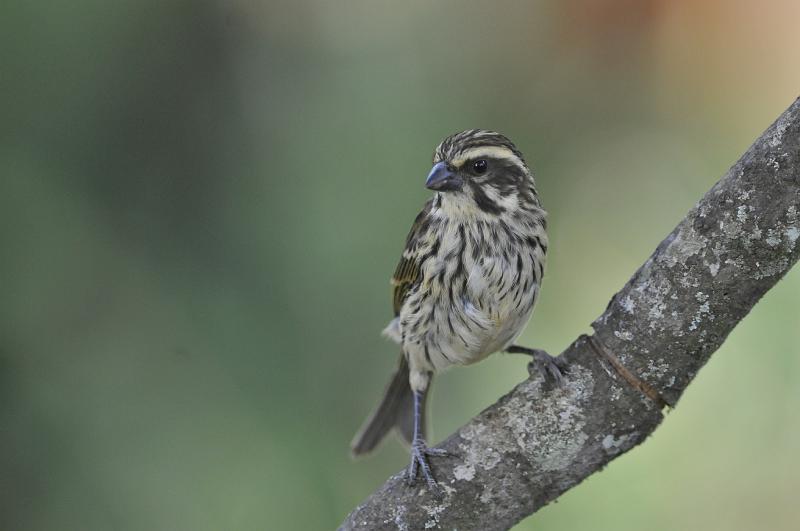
201,204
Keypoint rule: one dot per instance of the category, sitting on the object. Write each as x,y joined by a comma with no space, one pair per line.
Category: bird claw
548,365
419,460
543,363
437,452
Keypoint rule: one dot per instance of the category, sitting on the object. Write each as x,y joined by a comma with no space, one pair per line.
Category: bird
466,284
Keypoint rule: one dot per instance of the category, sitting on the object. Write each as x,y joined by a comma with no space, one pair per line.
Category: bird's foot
419,460
542,362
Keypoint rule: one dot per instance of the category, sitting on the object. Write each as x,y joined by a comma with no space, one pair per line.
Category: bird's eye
480,166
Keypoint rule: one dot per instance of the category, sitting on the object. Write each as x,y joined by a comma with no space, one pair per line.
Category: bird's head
482,173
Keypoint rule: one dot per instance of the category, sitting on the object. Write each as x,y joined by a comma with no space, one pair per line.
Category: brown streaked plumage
467,280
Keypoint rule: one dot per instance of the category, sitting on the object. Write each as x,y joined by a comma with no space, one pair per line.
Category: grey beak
442,179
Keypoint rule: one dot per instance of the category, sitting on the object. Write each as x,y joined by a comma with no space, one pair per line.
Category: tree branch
657,332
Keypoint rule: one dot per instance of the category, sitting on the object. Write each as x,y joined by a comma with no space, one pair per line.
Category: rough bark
657,332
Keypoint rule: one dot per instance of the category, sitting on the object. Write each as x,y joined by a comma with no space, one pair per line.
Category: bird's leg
419,448
546,364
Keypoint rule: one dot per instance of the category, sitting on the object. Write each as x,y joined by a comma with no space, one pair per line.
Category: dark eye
480,166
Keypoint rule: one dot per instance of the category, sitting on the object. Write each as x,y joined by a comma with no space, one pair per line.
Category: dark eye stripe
454,146
499,154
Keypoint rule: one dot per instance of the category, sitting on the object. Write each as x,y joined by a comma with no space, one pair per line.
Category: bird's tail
395,410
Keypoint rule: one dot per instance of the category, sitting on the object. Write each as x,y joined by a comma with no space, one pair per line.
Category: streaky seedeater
466,283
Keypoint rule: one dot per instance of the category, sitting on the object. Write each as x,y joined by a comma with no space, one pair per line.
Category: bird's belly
504,320
439,329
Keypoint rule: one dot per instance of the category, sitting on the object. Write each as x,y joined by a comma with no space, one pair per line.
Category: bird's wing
407,273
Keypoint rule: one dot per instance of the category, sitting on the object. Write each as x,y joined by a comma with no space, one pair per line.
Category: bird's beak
442,179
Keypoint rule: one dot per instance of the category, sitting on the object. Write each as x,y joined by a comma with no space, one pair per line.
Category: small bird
467,281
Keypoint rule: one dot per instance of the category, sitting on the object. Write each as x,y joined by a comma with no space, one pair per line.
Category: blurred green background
202,203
